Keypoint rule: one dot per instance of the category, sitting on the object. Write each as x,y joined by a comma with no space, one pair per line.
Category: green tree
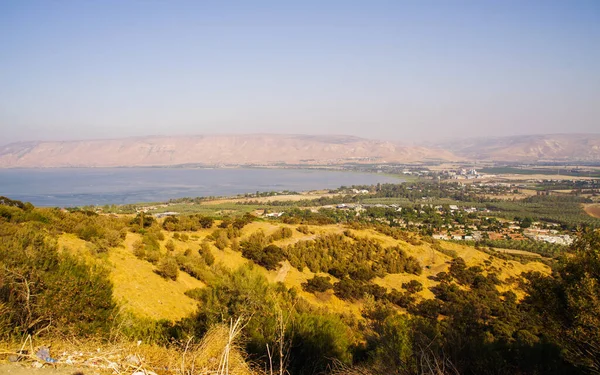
567,302
44,290
317,284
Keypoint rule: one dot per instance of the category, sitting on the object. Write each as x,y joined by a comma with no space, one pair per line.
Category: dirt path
283,271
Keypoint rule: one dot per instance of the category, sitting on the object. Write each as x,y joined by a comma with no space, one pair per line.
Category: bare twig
187,345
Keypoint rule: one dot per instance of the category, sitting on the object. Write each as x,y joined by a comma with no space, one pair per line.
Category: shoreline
78,187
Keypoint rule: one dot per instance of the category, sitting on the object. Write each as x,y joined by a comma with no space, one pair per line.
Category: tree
568,302
317,284
413,286
43,289
206,222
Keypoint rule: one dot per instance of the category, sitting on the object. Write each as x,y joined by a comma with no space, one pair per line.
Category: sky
409,71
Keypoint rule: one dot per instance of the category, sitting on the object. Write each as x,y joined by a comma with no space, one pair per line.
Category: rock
133,359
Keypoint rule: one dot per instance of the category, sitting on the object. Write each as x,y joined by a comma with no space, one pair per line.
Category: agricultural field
593,210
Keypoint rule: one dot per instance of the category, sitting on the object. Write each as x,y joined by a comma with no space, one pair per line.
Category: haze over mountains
270,149
529,148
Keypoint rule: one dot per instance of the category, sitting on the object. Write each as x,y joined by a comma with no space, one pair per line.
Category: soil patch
592,209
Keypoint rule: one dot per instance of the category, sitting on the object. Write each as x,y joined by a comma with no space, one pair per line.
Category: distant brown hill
529,148
213,150
270,149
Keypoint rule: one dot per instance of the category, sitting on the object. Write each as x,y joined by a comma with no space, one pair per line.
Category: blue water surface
64,187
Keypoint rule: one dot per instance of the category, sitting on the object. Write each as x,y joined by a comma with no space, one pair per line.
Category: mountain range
274,149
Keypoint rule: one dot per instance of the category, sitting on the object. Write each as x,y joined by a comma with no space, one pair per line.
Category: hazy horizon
394,70
434,142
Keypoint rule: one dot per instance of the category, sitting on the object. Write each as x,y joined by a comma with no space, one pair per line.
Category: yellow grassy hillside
140,290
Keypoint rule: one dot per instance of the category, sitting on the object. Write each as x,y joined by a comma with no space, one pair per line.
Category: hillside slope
272,149
529,148
139,290
212,150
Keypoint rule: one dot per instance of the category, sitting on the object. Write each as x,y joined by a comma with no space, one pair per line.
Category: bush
413,286
139,249
303,229
268,257
194,265
317,284
206,255
170,245
141,221
404,300
206,222
168,268
280,234
153,256
320,341
235,245
43,290
348,289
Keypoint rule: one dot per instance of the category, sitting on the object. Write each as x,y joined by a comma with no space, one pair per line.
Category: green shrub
206,254
168,268
303,229
319,341
413,286
170,245
317,284
139,249
153,256
280,234
42,290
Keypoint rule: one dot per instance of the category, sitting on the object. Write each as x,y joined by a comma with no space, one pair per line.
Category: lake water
64,187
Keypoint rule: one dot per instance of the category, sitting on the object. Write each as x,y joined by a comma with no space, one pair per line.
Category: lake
64,187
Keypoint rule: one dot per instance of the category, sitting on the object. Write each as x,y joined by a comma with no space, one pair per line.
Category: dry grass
216,353
140,290
76,246
517,252
135,285
592,209
437,262
432,261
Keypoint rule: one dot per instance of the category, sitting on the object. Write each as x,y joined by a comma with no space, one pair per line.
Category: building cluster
548,235
410,172
461,174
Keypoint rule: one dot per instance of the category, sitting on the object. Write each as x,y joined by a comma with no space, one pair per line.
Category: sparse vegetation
463,312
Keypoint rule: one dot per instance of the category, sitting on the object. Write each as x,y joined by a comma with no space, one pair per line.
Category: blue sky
397,70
